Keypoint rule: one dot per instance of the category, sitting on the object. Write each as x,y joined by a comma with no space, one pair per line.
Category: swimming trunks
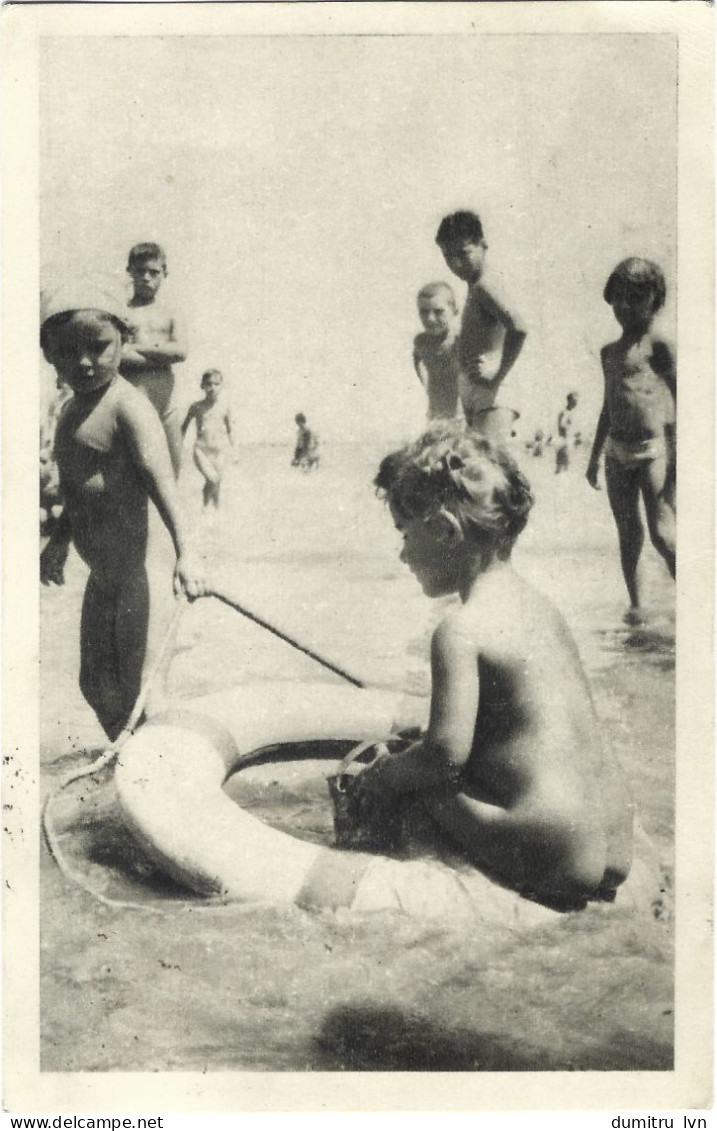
633,453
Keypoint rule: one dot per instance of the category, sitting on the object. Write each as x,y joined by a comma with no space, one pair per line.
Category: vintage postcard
358,722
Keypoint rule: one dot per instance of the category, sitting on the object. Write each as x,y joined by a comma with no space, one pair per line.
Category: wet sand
174,985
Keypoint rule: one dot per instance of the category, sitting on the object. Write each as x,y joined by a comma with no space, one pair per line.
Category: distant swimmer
306,449
515,774
212,419
158,340
636,428
567,436
435,351
492,334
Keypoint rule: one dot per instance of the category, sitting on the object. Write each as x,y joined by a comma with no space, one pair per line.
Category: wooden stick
234,604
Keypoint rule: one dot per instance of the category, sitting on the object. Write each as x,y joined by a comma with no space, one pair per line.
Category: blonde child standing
514,773
436,350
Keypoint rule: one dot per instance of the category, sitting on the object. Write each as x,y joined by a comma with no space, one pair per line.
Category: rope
104,760
234,604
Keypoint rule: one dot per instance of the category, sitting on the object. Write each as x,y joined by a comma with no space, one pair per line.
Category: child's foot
635,617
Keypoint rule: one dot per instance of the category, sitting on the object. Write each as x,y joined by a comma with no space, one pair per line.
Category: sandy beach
172,985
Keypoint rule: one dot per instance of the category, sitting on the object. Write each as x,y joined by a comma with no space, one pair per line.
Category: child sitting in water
113,459
435,351
213,421
511,765
636,424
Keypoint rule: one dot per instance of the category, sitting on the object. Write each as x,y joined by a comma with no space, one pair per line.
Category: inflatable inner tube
169,779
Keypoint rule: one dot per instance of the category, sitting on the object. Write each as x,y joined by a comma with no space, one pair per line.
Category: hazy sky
297,183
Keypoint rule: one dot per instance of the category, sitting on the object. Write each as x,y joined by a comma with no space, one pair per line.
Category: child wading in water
435,351
113,459
511,765
637,421
157,341
213,421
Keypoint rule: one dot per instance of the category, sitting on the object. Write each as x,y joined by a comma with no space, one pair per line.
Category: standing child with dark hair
435,351
213,421
514,773
492,335
637,422
158,340
112,461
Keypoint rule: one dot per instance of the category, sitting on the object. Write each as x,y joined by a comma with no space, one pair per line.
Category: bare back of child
511,766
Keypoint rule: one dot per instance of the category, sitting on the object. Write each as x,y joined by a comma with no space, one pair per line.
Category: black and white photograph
358,732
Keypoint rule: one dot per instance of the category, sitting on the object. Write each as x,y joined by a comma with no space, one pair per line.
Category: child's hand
592,475
189,577
52,562
369,786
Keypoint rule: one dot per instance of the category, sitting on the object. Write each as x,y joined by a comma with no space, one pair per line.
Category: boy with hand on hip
157,341
491,336
637,423
113,460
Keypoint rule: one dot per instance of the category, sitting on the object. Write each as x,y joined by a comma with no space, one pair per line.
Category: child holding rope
511,765
113,459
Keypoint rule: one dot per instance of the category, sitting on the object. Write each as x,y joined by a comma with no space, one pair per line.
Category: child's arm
420,366
515,335
444,750
191,413
54,555
229,424
147,443
601,432
663,362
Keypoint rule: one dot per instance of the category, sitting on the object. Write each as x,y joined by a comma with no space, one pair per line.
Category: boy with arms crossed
158,340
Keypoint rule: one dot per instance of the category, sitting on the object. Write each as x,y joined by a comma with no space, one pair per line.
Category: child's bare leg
623,489
173,431
99,661
660,513
144,615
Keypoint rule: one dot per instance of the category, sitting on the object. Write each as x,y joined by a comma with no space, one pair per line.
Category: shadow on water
387,1039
